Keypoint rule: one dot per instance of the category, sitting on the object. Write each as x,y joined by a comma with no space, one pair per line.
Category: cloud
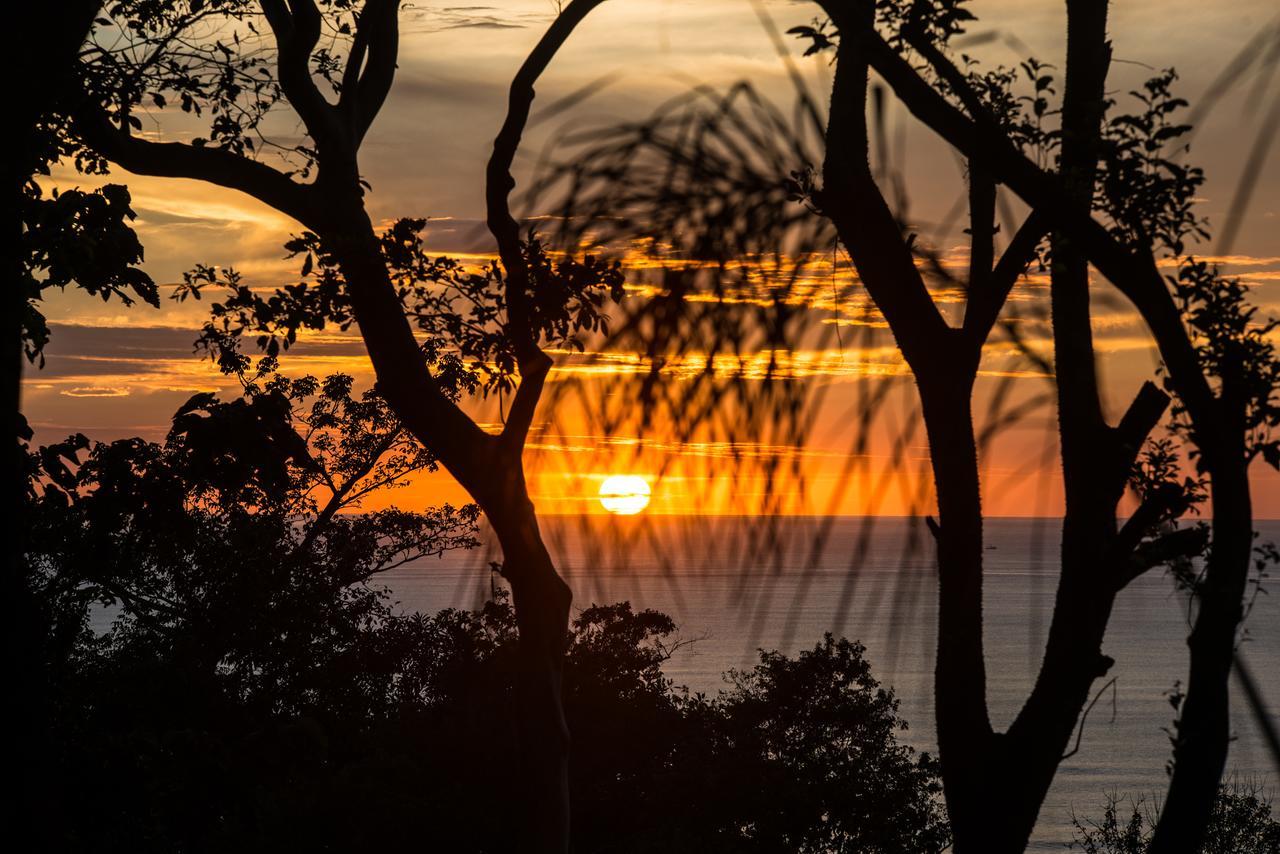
95,391
434,19
84,351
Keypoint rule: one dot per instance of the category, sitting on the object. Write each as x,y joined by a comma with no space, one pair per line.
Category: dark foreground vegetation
1240,823
257,689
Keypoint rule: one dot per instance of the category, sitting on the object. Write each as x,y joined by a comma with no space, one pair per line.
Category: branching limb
371,66
856,206
296,26
525,402
1157,505
201,163
341,494
982,226
1131,554
355,63
1142,416
498,179
1175,545
986,304
1132,271
534,364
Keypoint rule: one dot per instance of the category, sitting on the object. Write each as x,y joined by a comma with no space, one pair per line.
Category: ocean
735,585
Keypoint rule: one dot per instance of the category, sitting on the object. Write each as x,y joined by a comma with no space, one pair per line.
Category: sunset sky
115,372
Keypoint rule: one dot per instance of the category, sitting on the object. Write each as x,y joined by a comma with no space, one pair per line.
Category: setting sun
624,494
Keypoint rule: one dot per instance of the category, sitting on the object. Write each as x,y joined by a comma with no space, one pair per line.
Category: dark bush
1241,823
257,691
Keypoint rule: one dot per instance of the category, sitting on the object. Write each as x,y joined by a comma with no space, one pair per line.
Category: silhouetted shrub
402,735
1241,823
257,690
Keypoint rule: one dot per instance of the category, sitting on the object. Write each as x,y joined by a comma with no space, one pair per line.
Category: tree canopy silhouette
333,63
230,675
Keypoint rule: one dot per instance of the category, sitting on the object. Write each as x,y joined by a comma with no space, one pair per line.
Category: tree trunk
966,744
1202,734
491,470
43,60
1004,778
1093,473
542,601
23,635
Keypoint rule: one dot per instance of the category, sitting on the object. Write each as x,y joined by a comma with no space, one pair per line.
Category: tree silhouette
75,237
1218,366
235,75
158,530
257,688
1146,201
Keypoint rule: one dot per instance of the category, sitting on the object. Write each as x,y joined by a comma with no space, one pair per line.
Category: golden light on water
624,494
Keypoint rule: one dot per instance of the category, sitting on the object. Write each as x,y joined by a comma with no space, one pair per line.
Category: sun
624,494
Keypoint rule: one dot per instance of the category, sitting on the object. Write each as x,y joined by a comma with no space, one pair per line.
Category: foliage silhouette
333,63
73,238
460,311
257,689
1241,823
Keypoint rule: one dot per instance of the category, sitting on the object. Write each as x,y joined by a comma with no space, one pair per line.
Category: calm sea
738,584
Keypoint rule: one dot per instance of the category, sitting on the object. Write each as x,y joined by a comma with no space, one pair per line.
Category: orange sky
113,372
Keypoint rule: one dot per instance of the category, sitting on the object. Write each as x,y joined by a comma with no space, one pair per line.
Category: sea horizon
788,598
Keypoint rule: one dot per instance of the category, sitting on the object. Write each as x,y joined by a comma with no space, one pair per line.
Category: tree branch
297,29
1132,557
1142,416
982,226
1149,513
202,163
380,71
1182,543
1132,271
340,494
985,305
498,179
525,402
355,64
946,70
853,201
534,364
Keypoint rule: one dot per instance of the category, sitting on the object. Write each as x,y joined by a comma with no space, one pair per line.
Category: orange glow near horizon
114,372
